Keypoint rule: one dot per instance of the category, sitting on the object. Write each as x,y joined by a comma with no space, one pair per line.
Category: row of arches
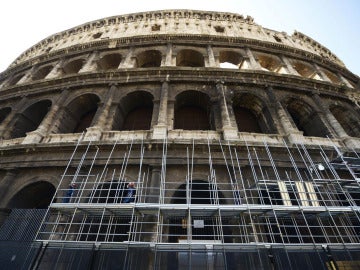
193,110
185,57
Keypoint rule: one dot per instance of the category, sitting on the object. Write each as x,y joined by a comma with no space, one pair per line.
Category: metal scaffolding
253,195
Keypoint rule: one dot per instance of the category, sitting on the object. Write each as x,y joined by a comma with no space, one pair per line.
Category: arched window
347,120
134,112
189,58
230,59
193,111
78,114
110,61
252,115
73,67
41,73
30,118
15,79
35,195
306,119
151,58
305,70
270,63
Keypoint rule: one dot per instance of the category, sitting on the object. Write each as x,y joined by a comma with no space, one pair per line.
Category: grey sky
333,23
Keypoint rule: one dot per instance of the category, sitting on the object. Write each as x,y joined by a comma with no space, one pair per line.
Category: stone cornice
255,78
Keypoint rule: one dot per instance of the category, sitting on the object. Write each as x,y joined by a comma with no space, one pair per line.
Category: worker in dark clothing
69,193
130,195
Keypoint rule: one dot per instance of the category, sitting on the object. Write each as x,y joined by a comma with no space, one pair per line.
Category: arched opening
3,113
306,119
74,66
41,73
110,61
189,58
151,58
333,78
105,228
30,119
252,115
15,79
79,113
230,59
347,120
36,195
270,63
305,70
193,111
134,112
203,227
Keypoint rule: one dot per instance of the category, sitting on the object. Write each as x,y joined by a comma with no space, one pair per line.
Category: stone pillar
288,65
5,127
334,126
101,117
90,65
56,71
169,55
211,57
322,74
252,63
160,129
229,131
128,61
154,191
293,134
44,128
6,183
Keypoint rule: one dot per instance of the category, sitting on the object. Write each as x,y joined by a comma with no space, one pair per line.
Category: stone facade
169,91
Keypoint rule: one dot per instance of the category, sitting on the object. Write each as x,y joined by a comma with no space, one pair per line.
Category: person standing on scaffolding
69,193
130,195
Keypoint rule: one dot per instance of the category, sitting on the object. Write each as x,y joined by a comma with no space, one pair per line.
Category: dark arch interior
79,114
347,120
41,73
3,113
189,58
151,58
306,119
246,121
252,115
192,111
230,57
73,66
36,195
110,61
30,119
134,112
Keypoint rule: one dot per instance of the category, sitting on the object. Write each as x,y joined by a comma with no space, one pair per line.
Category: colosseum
179,139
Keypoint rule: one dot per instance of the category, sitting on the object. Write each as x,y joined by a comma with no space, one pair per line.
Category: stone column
101,116
129,61
6,183
56,71
229,131
293,134
169,55
90,65
160,129
5,127
252,63
211,57
333,125
154,191
288,65
44,128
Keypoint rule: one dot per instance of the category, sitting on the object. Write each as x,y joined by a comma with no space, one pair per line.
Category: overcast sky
333,23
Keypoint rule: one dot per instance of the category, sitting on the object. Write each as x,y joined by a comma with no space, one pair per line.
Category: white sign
199,223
